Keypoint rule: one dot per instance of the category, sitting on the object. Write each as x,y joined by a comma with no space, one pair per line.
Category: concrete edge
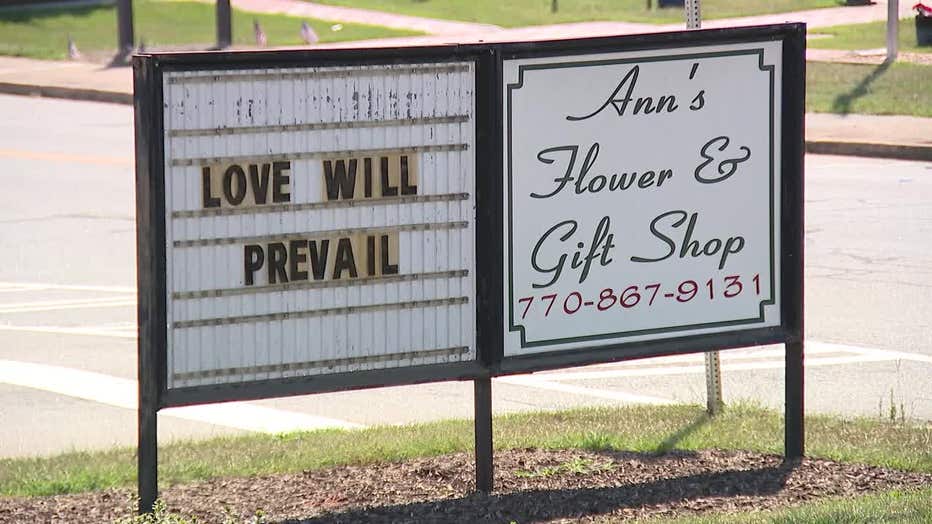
68,93
868,149
817,147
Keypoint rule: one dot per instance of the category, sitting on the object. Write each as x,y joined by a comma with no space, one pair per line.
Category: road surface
67,305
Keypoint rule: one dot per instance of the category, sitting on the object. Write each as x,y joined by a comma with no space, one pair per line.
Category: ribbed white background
433,105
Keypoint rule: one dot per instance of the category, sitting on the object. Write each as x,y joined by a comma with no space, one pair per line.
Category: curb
868,149
68,93
816,147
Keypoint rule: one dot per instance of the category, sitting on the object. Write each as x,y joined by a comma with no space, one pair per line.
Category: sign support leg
713,362
794,444
483,421
147,473
713,382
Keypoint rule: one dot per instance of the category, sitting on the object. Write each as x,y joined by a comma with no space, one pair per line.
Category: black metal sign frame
490,362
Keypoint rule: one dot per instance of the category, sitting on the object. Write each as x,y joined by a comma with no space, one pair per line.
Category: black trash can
924,30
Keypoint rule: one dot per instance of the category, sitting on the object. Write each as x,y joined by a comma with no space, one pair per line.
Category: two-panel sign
327,220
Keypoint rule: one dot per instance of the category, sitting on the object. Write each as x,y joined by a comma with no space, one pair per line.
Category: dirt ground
531,486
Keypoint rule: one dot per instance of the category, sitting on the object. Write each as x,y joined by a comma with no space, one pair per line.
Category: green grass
899,89
43,33
646,429
517,13
867,36
909,507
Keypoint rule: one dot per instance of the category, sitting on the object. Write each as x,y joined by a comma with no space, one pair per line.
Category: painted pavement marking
122,393
127,331
251,417
89,298
620,396
755,358
60,305
67,158
36,286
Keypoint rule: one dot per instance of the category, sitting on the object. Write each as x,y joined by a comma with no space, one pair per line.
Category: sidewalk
59,79
355,15
863,135
902,137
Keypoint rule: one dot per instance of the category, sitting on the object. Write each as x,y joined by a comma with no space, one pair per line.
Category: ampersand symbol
726,167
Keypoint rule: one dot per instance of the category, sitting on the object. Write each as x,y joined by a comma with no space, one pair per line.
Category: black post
148,460
150,270
794,445
794,96
125,38
483,420
224,24
489,290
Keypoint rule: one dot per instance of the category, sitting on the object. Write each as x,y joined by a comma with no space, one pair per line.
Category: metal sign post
693,14
893,29
483,430
713,362
713,382
224,24
125,39
150,214
794,247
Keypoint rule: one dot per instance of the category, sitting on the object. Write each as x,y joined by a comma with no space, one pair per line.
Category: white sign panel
642,195
318,220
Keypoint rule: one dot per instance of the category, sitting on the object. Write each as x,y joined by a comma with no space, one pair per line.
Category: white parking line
748,353
620,396
13,289
122,393
37,286
861,355
890,355
700,369
57,305
118,297
95,331
257,418
730,362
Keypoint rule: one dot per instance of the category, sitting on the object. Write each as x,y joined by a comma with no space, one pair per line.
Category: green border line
770,69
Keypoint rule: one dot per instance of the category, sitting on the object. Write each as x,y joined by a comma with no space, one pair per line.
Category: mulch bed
531,486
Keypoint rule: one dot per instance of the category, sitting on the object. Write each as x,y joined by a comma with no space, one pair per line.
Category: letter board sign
323,220
317,221
642,195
